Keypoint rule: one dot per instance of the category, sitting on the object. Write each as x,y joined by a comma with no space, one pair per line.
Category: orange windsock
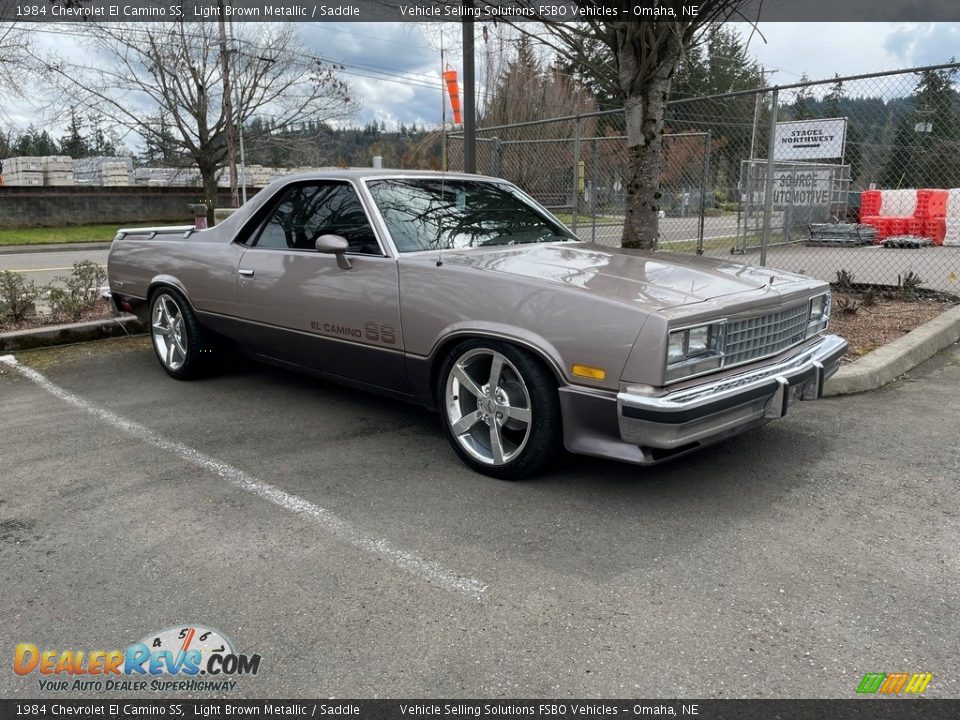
450,76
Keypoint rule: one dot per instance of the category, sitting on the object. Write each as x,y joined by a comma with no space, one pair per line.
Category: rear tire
181,344
500,409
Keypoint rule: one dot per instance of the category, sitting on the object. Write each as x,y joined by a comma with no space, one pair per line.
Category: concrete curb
877,368
123,326
53,247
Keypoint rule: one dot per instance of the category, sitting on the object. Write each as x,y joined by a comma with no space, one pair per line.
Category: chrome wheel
169,333
488,407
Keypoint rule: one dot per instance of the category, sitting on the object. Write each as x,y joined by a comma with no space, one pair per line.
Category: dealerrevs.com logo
894,683
184,653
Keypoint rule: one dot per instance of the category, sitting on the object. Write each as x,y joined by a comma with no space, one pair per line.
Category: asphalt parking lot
337,535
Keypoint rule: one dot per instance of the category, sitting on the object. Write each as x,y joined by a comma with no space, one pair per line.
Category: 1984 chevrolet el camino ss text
463,294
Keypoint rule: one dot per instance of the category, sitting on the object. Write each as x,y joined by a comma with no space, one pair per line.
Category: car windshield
436,213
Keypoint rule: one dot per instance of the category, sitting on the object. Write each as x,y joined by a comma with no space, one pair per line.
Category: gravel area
868,326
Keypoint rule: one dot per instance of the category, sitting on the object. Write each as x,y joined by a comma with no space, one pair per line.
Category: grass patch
45,358
68,234
602,219
690,246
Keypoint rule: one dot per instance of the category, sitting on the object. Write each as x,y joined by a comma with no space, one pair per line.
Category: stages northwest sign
810,139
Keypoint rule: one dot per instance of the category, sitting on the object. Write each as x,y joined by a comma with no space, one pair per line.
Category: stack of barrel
915,213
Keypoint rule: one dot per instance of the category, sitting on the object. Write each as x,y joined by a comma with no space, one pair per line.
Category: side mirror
335,245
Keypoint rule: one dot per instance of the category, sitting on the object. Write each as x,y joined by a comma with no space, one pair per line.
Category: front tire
500,409
180,343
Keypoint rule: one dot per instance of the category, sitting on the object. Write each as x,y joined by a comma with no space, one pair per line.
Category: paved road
672,229
336,534
44,267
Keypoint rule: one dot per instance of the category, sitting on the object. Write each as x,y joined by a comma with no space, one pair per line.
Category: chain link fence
855,178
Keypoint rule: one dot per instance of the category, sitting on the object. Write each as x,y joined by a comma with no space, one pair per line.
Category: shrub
80,291
909,285
844,280
17,295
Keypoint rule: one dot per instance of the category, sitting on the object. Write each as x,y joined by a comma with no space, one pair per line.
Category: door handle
246,273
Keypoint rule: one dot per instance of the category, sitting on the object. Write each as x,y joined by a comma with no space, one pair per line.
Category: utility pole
239,88
469,102
443,110
756,114
228,109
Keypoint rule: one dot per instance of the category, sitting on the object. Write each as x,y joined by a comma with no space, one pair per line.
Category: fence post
703,189
593,191
576,172
768,184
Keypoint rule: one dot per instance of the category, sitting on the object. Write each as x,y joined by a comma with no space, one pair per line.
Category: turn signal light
585,371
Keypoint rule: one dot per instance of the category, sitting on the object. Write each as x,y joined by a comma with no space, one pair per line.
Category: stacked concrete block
108,171
166,177
58,170
260,175
23,171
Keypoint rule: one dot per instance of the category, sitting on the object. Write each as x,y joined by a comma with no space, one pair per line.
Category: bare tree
527,89
636,61
166,84
14,44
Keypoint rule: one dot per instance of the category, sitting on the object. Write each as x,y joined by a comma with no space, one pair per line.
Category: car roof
361,173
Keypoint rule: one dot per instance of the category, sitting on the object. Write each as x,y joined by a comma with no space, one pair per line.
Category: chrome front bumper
685,419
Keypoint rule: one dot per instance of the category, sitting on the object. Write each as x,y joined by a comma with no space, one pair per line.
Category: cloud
924,43
822,50
392,68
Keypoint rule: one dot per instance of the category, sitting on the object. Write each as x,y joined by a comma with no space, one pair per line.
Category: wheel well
443,350
159,285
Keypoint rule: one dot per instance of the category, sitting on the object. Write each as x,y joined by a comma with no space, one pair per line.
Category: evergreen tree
801,104
721,65
34,142
161,147
73,143
924,150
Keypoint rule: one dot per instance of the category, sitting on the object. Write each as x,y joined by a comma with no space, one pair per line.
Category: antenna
443,140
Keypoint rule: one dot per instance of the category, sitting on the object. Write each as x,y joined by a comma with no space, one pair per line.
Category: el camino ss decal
371,331
380,333
332,329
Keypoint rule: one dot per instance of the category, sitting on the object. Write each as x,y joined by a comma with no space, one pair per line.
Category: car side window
307,211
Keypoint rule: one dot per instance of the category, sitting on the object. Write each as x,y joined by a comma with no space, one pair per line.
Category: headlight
819,314
694,350
677,350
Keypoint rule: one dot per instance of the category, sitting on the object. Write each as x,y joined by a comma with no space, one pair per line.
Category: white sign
810,139
802,188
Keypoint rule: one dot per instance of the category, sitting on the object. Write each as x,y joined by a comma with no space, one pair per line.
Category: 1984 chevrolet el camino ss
463,294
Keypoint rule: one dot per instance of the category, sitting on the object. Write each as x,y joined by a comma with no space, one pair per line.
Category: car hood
652,280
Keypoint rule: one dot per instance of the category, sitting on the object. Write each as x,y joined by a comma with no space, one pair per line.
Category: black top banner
872,709
477,10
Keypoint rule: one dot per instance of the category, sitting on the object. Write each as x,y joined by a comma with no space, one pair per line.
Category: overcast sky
393,68
820,50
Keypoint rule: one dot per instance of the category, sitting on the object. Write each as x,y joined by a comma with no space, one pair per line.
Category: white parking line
343,529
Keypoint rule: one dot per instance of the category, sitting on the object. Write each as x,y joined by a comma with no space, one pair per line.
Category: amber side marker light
585,371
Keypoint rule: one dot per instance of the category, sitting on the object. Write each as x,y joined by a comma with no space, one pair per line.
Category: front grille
765,335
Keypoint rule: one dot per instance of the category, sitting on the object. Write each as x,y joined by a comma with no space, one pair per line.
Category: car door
301,308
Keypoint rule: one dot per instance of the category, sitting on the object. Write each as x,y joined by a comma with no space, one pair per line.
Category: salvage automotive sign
810,139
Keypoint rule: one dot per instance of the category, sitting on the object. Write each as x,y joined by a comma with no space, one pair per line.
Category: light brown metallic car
463,294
